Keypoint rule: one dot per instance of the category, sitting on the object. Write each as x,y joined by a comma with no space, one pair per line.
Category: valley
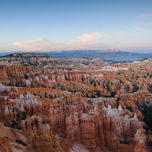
76,104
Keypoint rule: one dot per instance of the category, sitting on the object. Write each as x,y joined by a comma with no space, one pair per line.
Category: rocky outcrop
60,109
106,114
5,145
14,105
37,77
32,125
92,126
46,142
141,140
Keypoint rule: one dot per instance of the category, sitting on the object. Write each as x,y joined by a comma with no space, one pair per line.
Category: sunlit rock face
5,145
140,139
11,108
37,77
32,125
95,126
46,142
61,108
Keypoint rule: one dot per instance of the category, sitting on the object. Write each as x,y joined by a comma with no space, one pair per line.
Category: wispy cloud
34,45
140,29
88,41
81,42
145,16
89,37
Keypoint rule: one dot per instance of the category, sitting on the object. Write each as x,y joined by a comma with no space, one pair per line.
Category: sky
54,25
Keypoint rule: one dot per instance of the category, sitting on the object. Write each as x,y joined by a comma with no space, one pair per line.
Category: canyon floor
74,105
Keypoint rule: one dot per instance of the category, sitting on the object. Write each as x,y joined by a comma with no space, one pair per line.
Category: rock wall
93,126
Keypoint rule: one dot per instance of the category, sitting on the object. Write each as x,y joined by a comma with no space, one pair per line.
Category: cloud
145,16
83,41
119,40
141,29
34,45
42,44
89,37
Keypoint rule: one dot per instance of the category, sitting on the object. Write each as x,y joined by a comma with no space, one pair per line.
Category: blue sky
53,25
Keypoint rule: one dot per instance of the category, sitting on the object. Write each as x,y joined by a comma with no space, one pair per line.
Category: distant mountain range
27,55
113,56
107,55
